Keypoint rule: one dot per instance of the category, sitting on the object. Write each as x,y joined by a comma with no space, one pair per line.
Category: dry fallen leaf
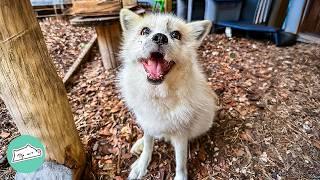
202,154
246,135
118,178
4,134
316,143
105,132
239,152
115,109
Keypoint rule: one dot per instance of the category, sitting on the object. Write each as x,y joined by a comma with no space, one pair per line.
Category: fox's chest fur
184,108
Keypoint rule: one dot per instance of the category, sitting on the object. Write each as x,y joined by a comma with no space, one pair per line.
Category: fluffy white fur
182,107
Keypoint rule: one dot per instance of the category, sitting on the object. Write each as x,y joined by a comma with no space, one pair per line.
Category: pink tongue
155,68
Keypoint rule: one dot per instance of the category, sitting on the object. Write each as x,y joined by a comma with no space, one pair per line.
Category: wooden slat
105,46
81,59
311,21
94,7
129,3
115,33
92,20
309,38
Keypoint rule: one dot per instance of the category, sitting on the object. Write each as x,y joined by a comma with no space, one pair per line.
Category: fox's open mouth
157,67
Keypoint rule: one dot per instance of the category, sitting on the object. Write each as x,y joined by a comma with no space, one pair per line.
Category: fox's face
158,44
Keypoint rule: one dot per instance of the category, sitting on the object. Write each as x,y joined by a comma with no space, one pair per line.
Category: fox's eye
175,35
145,31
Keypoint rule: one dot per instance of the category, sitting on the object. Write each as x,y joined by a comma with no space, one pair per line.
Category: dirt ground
267,128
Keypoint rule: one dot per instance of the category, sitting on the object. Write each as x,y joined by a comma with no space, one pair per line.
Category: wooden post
31,88
168,6
108,40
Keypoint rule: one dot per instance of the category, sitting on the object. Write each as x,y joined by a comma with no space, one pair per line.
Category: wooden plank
98,20
106,57
81,59
309,38
92,14
107,48
47,16
94,3
89,7
111,51
168,6
311,21
93,21
44,9
129,3
115,33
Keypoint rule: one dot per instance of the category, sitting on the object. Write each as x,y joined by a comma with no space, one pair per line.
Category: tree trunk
31,88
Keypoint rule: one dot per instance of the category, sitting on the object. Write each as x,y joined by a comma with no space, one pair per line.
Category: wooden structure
50,8
129,3
309,29
168,6
99,7
32,90
311,19
108,32
109,41
95,7
104,16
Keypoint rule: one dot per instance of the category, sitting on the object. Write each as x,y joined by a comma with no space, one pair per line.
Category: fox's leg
180,145
139,167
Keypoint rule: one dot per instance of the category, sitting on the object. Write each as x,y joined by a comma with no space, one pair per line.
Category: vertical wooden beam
108,40
168,6
31,88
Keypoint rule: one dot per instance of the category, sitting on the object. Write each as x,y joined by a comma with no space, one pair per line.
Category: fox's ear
200,29
128,19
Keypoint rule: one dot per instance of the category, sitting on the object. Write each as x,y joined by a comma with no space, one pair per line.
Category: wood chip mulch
268,126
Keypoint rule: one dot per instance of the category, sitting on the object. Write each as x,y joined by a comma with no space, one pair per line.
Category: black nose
160,39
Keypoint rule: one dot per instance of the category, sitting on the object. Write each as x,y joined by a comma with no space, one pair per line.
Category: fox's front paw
180,175
137,147
138,169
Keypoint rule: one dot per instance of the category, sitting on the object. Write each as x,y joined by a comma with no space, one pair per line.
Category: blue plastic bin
222,10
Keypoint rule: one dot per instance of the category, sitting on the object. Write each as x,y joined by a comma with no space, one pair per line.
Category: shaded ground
268,126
